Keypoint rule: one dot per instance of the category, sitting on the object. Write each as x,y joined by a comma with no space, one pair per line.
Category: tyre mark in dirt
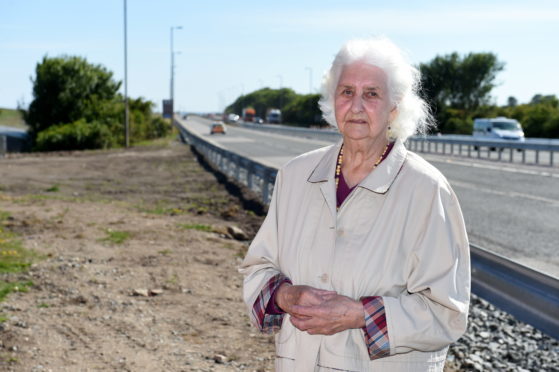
73,335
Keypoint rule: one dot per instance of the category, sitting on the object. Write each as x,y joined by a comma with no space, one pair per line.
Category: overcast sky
227,48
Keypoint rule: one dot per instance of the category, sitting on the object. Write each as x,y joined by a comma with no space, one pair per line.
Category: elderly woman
362,262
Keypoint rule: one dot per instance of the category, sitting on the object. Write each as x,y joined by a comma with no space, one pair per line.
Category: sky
228,48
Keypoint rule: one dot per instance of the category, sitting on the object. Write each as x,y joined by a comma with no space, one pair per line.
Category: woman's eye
371,94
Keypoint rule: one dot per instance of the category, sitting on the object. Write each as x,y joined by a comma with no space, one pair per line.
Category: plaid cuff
264,320
375,330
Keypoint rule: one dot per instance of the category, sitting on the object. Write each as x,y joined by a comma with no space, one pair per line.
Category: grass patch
12,118
173,280
161,142
161,210
165,252
115,236
199,227
54,188
6,288
13,257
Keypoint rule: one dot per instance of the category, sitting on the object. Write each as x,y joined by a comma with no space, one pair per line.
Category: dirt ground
137,270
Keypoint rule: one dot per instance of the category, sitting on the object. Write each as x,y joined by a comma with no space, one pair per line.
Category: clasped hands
318,311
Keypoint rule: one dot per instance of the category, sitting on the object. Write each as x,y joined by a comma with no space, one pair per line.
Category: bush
304,111
78,135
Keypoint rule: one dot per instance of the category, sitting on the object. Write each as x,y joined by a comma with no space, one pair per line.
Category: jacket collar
378,181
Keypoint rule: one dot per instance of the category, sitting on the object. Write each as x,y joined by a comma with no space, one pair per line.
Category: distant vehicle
258,120
218,128
273,116
498,128
231,118
248,114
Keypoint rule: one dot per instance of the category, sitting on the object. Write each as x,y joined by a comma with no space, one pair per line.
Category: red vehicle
248,114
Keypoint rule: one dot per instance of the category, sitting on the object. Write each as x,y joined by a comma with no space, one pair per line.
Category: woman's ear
393,114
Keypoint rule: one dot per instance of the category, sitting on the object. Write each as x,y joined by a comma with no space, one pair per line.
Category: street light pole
279,92
126,123
173,70
310,78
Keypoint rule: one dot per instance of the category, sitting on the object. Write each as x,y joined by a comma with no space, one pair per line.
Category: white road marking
533,172
509,194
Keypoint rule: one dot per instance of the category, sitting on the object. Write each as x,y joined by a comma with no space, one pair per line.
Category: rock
220,359
484,334
141,292
155,291
237,233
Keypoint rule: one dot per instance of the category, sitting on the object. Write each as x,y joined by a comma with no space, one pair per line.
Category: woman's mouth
357,121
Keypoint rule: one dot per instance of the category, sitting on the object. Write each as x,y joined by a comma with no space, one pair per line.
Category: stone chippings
496,341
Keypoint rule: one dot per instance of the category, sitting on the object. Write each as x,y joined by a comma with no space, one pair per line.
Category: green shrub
78,135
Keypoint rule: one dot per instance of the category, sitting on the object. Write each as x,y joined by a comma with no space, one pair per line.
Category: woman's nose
356,104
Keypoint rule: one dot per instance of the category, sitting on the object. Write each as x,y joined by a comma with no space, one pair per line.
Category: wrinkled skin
318,311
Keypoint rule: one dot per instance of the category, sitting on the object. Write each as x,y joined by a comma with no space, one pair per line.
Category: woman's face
362,104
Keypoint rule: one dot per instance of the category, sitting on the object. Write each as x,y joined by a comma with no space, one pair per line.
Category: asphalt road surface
510,209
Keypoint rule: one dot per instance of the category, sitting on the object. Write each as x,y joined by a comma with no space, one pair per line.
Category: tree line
457,88
76,105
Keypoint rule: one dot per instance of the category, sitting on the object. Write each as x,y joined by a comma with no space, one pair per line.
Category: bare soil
166,298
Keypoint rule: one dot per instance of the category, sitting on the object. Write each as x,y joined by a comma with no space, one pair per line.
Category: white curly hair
413,114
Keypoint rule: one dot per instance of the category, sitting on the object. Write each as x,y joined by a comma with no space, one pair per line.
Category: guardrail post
523,156
237,169
510,154
537,156
479,152
469,151
460,149
488,152
250,176
444,148
551,158
452,149
500,155
422,146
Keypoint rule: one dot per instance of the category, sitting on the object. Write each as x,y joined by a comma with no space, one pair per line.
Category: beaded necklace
341,158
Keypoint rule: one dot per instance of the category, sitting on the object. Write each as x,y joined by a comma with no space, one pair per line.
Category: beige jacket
400,235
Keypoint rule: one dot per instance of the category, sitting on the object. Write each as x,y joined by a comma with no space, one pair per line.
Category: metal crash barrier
254,175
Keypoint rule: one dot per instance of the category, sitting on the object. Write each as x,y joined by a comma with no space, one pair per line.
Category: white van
498,128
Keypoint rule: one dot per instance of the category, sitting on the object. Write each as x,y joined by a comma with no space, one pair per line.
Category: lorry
273,116
248,114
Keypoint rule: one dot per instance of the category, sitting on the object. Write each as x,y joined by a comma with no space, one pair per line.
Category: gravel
496,341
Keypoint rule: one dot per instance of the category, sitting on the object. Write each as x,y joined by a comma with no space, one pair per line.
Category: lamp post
173,70
310,78
279,92
126,124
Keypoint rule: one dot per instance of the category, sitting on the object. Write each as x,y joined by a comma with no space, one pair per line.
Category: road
510,209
